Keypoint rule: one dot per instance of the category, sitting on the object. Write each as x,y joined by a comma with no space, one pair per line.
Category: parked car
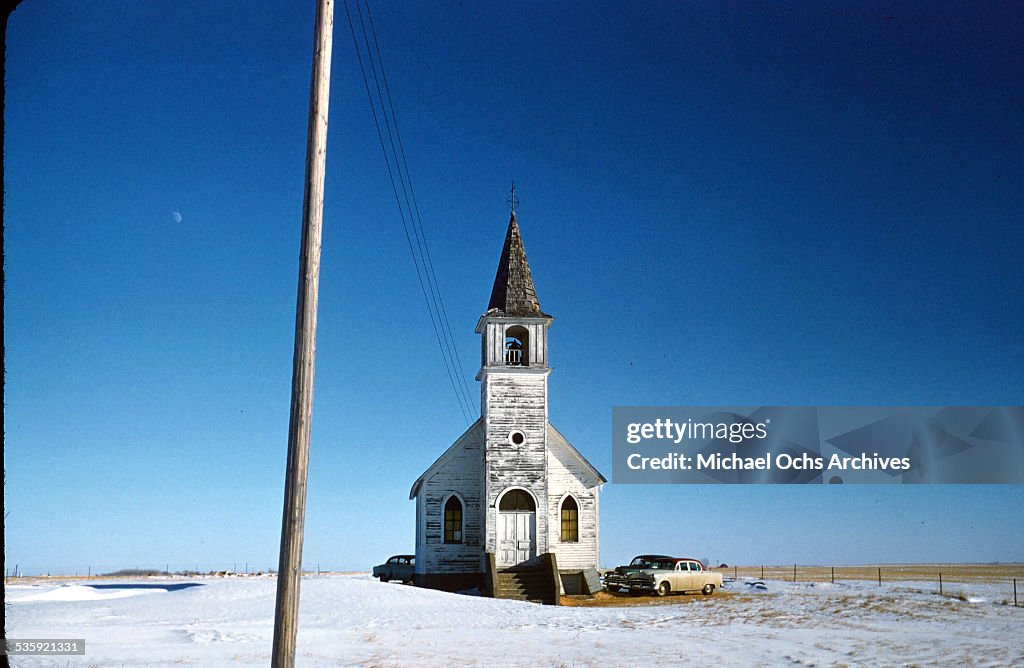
399,567
619,578
665,576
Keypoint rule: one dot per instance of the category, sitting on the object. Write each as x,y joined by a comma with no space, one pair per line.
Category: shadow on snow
168,586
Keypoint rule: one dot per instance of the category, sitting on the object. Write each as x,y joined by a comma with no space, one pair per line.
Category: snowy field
357,621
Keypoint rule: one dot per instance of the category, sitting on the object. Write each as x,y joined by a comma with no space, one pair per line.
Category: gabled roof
555,435
513,293
475,431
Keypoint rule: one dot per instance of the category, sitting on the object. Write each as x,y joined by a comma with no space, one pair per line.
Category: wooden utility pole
289,571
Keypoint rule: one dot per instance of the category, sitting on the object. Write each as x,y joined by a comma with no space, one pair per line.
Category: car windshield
640,562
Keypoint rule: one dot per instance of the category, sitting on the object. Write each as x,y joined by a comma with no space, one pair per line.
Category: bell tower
514,405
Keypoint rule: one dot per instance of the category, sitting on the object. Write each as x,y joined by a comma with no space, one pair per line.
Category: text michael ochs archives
670,433
818,444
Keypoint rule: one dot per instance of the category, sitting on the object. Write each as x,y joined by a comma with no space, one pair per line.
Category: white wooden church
511,497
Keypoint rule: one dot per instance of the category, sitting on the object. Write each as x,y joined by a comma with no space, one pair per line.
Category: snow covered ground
357,621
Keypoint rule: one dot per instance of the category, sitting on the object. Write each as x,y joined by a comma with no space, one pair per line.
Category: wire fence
945,577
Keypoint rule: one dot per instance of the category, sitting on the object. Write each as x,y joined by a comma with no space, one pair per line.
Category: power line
416,206
423,258
425,276
405,226
391,121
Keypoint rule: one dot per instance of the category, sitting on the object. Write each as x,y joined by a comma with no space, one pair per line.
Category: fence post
762,572
735,571
940,584
833,575
794,572
1015,592
879,577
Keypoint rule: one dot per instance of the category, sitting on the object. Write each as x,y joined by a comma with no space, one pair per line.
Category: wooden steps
526,584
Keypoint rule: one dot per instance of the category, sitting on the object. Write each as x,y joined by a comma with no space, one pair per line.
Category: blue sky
722,203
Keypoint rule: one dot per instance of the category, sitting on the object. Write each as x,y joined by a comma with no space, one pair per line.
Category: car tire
384,578
664,588
708,589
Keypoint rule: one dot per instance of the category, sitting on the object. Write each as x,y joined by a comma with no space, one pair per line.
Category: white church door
517,528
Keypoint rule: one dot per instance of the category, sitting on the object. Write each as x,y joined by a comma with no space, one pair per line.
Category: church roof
513,293
555,438
476,437
473,435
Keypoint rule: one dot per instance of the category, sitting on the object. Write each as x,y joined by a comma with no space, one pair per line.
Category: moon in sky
176,216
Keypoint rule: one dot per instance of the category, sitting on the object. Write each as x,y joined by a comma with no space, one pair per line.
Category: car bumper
614,583
641,586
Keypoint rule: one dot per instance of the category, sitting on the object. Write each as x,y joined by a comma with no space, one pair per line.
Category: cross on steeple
512,201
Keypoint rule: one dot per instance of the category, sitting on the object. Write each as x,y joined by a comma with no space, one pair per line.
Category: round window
517,438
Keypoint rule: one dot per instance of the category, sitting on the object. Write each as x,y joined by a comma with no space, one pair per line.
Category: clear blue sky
722,203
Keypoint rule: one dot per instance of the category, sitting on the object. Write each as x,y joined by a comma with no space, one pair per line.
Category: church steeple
513,294
511,489
514,328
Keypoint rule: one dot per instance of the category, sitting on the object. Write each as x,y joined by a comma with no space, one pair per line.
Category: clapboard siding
568,474
459,472
483,464
516,400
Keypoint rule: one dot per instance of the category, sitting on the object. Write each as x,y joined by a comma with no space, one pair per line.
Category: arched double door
517,528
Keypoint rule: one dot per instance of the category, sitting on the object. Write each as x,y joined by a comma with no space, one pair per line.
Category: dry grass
890,572
951,574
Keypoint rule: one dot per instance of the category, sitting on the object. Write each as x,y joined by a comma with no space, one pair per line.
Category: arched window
517,500
517,346
453,520
570,521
